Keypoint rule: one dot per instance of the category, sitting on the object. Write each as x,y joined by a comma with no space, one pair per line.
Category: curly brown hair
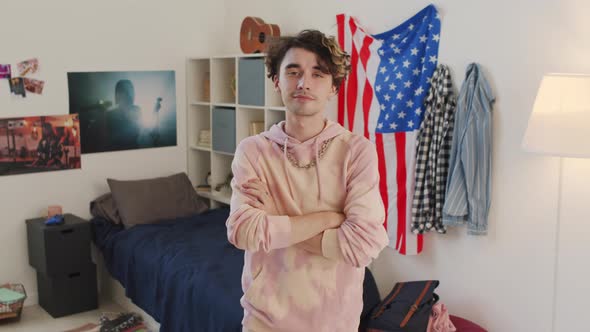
331,57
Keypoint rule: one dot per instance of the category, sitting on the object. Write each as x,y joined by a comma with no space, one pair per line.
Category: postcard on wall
5,71
17,86
34,86
30,66
124,110
39,144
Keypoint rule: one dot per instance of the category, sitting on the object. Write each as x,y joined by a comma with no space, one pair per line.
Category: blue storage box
251,81
224,129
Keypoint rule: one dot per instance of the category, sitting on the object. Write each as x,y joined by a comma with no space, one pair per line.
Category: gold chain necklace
321,153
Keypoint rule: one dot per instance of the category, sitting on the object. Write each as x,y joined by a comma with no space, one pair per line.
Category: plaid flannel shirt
433,150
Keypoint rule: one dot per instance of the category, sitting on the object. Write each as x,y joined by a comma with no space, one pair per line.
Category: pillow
148,201
104,207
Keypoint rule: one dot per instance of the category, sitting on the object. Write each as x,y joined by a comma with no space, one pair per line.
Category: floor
35,319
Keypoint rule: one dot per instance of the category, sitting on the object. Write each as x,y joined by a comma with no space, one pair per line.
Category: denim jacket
468,190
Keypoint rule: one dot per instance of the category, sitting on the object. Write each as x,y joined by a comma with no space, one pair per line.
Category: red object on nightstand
52,210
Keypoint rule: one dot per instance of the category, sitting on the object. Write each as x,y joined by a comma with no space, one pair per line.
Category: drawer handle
67,231
74,275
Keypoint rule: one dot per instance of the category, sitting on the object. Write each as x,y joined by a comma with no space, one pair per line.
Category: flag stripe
368,90
383,177
367,97
390,178
358,42
352,83
400,152
341,89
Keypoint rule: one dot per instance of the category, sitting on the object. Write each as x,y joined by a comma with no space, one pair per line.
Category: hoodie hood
304,152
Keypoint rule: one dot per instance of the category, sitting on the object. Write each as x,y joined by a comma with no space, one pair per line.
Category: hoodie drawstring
285,166
317,169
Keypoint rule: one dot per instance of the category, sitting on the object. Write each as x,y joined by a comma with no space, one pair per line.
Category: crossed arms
354,236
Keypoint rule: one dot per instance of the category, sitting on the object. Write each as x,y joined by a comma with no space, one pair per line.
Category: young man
306,205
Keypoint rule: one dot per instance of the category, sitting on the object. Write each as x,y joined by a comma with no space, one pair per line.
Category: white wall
503,280
107,35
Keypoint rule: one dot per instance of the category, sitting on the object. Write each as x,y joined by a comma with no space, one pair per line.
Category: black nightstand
66,275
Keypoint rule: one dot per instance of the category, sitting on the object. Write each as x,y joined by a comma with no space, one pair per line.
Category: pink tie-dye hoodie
287,288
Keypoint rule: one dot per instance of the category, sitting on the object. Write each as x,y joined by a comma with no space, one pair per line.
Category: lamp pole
556,251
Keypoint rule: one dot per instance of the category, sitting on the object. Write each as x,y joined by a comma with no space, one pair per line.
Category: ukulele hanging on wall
255,34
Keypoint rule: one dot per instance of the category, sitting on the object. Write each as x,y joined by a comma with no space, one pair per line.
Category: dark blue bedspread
182,272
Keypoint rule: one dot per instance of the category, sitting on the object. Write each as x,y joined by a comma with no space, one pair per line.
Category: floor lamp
560,126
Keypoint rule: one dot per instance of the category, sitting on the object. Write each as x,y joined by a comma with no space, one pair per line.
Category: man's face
304,87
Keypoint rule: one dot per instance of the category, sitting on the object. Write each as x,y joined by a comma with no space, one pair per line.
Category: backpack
371,299
407,308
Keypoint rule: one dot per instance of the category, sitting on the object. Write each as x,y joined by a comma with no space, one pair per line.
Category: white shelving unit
213,83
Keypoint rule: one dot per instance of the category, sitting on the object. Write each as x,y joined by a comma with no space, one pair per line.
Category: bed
171,255
183,272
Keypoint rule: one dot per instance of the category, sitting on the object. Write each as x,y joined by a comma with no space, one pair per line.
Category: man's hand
314,244
259,196
336,219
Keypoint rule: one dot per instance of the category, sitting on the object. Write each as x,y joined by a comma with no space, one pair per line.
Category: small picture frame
17,86
5,71
204,138
27,67
34,86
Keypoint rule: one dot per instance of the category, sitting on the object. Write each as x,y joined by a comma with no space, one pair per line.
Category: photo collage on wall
23,83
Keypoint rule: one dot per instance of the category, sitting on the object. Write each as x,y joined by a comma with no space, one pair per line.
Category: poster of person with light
124,110
39,144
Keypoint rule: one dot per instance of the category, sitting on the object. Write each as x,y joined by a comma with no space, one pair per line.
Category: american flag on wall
382,99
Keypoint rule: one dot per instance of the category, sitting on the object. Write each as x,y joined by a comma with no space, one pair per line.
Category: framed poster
39,144
124,110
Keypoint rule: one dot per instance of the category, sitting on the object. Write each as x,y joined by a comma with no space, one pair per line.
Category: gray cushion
148,201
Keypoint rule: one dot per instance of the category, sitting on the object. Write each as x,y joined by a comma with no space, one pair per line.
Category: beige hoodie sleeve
249,228
361,236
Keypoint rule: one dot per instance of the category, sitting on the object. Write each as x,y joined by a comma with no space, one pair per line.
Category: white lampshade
560,122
